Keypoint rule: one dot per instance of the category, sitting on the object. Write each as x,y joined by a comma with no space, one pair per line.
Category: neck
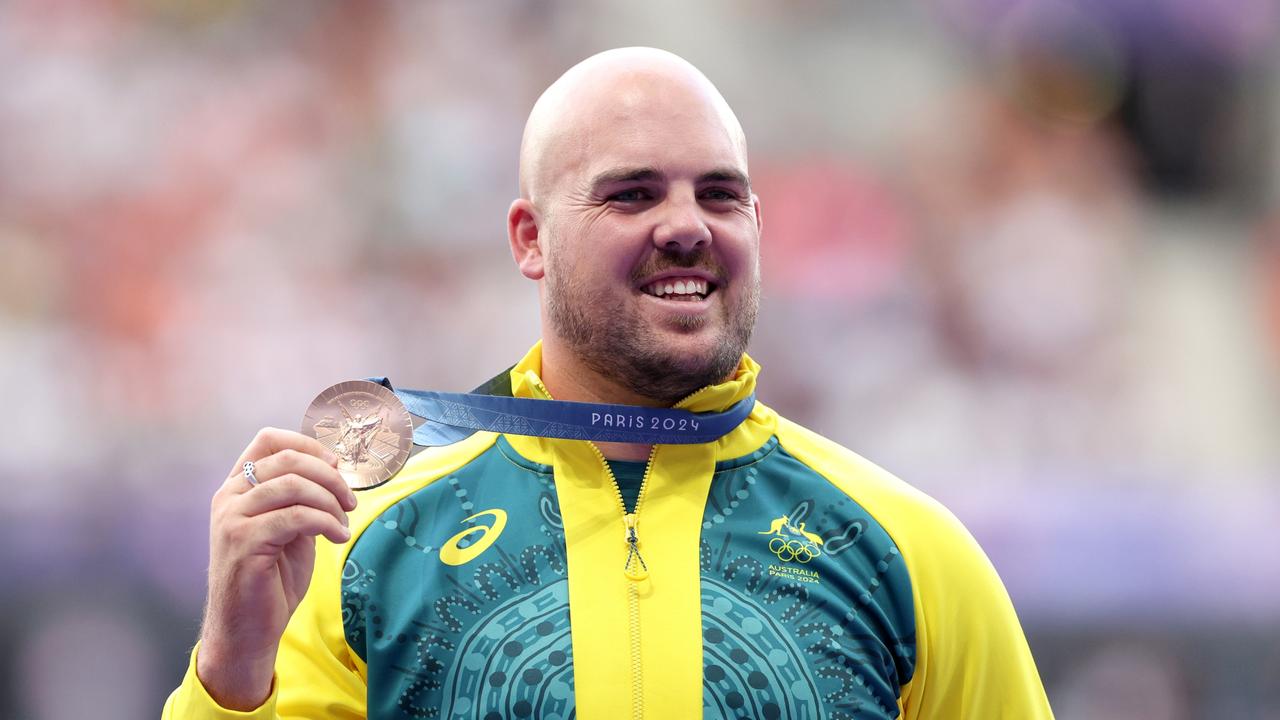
567,378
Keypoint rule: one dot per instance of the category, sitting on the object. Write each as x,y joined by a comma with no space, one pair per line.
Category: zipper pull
635,568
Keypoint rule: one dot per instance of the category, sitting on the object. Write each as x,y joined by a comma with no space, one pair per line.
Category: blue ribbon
450,417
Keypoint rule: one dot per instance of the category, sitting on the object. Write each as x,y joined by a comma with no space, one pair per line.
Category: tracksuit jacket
773,574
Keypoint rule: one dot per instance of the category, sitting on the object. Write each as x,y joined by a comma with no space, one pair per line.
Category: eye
631,195
721,195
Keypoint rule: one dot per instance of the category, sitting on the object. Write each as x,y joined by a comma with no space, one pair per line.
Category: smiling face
647,233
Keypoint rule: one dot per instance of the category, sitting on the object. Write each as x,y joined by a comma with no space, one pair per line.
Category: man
767,574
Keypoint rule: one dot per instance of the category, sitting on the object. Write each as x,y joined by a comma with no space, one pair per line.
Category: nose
681,228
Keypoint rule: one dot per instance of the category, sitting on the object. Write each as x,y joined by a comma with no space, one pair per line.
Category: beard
620,346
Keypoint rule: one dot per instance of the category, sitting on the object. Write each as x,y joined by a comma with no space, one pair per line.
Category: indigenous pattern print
449,633
806,603
457,598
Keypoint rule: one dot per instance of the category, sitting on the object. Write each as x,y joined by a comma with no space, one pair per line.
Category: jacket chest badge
792,543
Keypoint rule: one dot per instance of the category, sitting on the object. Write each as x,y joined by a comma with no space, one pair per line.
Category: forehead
675,128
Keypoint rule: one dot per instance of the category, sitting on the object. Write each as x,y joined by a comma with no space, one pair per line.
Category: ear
522,231
755,202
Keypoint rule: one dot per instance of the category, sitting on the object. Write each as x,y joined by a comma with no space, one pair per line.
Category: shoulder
420,473
870,485
970,653
422,470
930,537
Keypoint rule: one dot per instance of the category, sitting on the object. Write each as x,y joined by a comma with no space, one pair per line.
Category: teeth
678,287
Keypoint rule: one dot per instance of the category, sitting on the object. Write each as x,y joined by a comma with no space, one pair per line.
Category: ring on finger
248,473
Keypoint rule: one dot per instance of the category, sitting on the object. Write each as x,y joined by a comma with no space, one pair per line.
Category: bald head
634,186
607,92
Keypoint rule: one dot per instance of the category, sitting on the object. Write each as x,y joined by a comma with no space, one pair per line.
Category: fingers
261,552
319,472
299,493
270,441
278,528
291,489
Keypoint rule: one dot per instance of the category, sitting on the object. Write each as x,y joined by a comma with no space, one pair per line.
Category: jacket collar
526,382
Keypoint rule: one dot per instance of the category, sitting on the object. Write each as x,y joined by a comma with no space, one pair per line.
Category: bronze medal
366,426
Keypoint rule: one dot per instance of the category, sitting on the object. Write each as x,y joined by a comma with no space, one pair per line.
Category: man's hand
261,554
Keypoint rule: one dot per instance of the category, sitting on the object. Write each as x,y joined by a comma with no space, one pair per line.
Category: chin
709,358
689,349
663,356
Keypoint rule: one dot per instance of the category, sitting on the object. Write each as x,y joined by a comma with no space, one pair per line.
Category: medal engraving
366,426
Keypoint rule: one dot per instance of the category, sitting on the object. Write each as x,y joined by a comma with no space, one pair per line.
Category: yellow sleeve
192,702
317,677
972,659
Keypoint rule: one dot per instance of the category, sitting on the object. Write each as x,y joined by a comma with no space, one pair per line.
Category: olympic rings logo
801,551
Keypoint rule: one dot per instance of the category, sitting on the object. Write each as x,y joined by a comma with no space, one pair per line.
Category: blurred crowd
1023,253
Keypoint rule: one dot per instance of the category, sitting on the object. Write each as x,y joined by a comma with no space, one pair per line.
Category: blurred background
1023,253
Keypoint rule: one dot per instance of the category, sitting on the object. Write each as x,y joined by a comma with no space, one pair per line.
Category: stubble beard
619,346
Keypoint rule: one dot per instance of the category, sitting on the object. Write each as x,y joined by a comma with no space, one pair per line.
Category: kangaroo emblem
782,527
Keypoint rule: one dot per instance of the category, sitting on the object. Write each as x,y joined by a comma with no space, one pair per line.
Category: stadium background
1024,253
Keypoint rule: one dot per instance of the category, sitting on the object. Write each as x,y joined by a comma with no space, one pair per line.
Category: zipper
637,675
634,568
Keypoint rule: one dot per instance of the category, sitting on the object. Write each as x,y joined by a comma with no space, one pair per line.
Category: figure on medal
366,426
357,435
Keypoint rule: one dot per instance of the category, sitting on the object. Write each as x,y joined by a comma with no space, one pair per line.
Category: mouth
680,288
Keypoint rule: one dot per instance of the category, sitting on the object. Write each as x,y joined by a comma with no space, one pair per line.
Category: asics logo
452,553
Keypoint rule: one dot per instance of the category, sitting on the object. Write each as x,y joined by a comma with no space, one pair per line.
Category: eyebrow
726,175
649,174
622,175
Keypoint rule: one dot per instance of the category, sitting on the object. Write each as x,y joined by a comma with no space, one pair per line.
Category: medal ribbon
450,417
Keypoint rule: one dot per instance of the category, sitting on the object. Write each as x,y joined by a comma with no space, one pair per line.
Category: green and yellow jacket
775,574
